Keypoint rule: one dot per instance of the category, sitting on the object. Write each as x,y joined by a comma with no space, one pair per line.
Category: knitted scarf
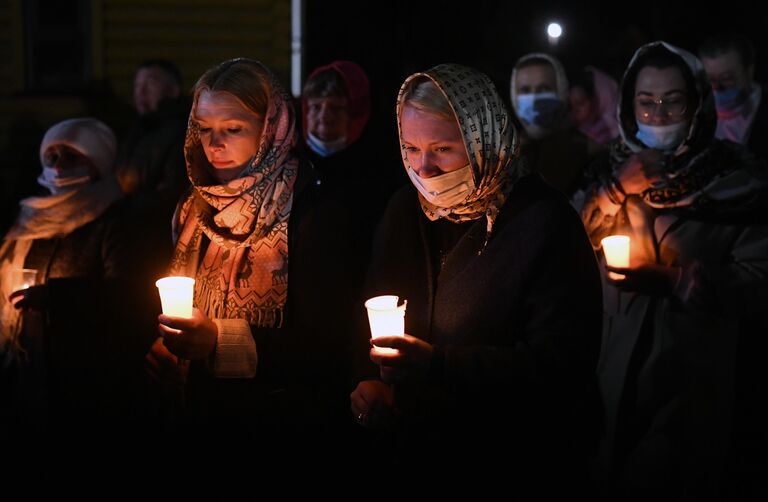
244,270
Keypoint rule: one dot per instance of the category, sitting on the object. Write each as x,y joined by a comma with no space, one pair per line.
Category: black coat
83,374
516,326
300,393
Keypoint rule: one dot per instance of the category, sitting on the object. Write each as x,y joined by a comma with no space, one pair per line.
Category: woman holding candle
267,253
697,278
503,293
65,361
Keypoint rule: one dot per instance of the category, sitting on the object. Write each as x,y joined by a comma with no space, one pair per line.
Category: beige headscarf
244,272
57,215
489,138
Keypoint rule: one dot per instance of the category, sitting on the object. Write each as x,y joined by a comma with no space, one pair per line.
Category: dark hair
326,83
658,57
168,67
726,42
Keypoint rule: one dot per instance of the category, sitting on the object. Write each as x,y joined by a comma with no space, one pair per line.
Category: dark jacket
759,131
302,384
516,326
83,368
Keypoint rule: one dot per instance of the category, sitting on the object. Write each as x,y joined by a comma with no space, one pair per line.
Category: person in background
150,162
678,377
550,143
742,113
336,108
503,314
594,96
267,349
71,343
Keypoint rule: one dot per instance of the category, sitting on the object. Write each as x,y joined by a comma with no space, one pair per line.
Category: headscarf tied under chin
244,272
489,138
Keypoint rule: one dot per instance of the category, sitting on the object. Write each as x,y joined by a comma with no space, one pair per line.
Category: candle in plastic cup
386,319
616,250
176,295
24,278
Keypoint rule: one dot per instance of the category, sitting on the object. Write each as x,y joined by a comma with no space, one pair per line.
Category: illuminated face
327,117
661,96
535,79
229,132
433,145
150,86
726,71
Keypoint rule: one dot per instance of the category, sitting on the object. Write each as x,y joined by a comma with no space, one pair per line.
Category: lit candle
616,250
386,319
176,295
25,278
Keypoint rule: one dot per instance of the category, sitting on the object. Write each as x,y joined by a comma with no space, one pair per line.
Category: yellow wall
195,34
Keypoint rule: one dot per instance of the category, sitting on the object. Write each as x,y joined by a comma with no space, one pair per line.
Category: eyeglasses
673,107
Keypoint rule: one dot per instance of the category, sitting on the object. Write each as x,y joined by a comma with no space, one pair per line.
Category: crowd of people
520,341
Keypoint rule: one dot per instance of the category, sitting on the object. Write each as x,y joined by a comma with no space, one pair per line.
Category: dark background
393,39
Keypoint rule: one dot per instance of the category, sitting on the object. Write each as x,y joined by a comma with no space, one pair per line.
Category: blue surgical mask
325,148
665,138
729,98
542,109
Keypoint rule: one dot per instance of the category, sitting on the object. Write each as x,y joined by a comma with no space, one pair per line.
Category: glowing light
554,30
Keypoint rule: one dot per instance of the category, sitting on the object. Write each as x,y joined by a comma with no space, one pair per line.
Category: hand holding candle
386,319
616,250
25,277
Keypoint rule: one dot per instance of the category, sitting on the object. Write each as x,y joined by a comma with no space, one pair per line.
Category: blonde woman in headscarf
57,338
267,338
503,316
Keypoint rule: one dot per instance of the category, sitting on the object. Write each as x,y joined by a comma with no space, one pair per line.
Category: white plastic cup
25,278
176,295
616,250
386,318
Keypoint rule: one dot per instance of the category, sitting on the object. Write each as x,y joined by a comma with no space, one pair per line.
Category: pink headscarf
605,125
358,93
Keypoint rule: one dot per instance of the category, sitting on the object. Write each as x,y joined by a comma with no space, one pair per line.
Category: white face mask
446,190
326,148
65,181
665,138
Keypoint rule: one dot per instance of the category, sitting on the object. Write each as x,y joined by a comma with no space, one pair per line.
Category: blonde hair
424,95
245,79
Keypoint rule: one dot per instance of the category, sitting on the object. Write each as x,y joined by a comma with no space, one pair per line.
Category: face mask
326,148
445,190
65,181
664,138
542,110
729,99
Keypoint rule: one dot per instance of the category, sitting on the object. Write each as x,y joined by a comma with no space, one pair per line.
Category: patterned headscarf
702,173
244,273
489,138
